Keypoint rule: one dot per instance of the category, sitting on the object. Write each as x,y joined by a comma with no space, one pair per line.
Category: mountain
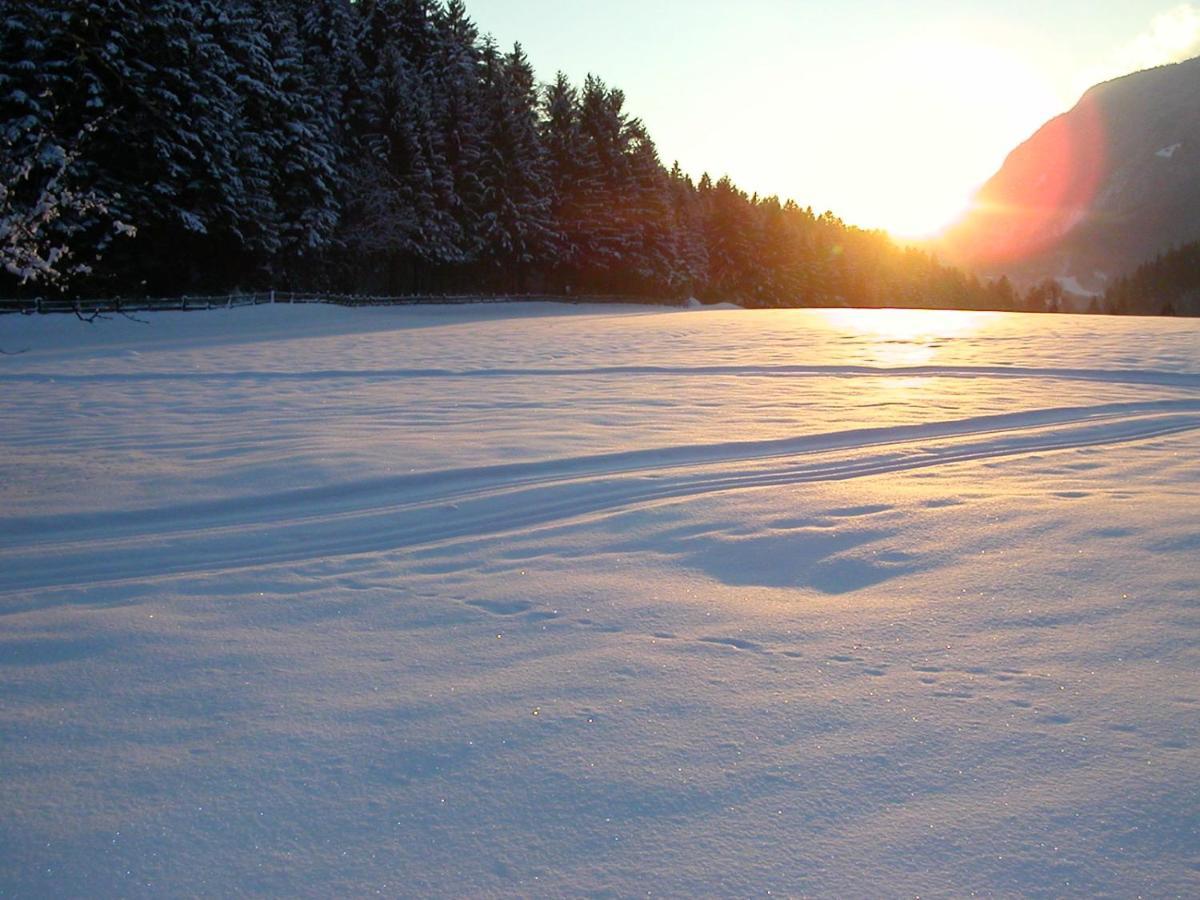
1096,191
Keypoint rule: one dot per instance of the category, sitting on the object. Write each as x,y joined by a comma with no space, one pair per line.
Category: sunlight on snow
905,337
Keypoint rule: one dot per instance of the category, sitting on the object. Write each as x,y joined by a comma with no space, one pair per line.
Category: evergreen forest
158,147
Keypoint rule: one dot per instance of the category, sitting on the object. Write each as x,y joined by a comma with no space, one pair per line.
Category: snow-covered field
536,600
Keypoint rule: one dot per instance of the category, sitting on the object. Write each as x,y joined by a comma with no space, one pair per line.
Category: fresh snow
599,601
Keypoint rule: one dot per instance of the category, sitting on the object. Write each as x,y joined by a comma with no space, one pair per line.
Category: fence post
272,295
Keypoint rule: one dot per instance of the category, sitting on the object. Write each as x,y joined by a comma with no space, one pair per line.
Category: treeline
164,146
1169,285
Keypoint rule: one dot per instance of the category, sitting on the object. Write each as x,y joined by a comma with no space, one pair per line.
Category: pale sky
889,113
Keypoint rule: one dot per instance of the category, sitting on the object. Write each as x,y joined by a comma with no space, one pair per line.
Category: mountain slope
1095,191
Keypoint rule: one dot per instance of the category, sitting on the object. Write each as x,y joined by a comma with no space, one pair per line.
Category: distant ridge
1096,191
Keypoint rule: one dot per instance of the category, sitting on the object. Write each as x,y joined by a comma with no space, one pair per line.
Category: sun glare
928,219
928,160
904,337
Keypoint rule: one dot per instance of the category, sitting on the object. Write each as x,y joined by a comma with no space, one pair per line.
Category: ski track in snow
410,511
1112,376
549,601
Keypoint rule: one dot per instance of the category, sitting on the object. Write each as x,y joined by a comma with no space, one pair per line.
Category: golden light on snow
906,337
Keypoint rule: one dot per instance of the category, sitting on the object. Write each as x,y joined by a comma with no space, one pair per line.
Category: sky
888,113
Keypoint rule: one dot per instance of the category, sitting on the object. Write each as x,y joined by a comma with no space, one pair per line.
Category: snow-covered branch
44,217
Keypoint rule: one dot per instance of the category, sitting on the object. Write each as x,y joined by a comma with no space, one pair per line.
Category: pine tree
300,141
656,256
517,225
259,115
730,233
54,223
418,39
605,236
689,230
458,119
326,30
562,141
166,148
393,217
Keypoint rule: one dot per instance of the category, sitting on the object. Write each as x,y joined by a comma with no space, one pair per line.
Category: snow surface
605,601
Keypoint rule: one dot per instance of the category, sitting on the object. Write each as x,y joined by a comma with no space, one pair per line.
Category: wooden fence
90,308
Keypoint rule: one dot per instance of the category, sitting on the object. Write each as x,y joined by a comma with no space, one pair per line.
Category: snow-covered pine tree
775,254
420,42
391,203
326,30
606,237
458,119
166,146
411,36
299,142
416,31
517,223
334,63
249,240
55,223
656,254
730,234
562,142
689,231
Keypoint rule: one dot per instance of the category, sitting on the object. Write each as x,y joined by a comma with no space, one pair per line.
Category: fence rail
187,303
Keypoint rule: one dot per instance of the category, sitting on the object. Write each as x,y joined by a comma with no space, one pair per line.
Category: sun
934,149
925,217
